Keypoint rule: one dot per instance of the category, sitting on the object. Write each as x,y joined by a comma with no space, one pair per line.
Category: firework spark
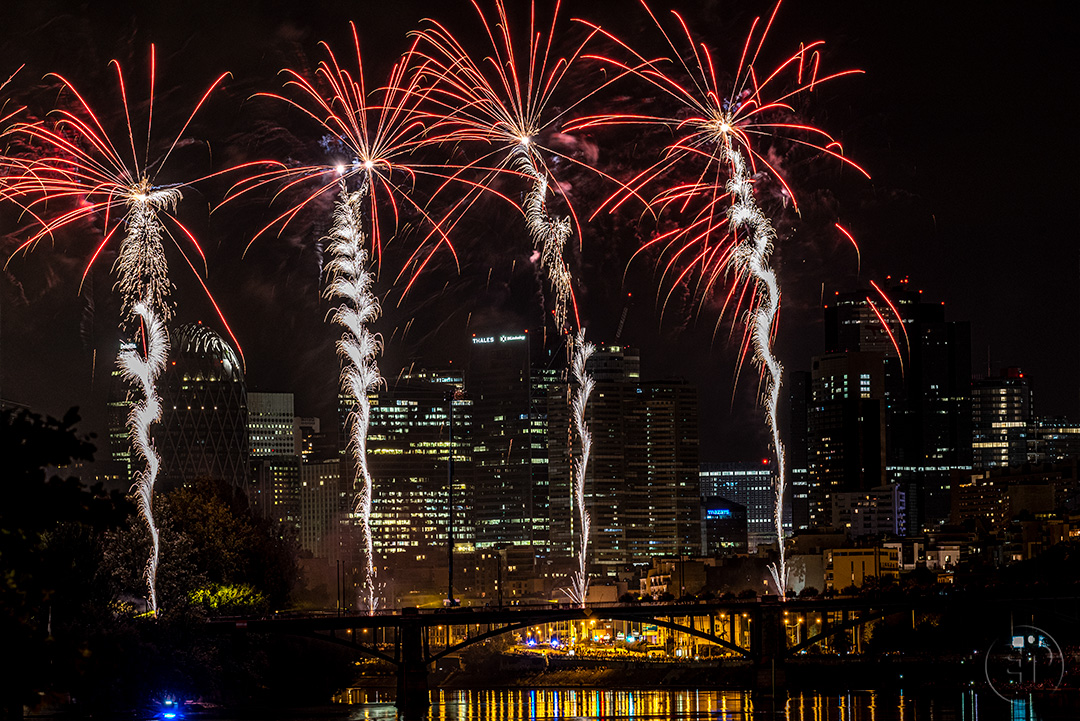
714,137
358,348
145,370
380,133
583,350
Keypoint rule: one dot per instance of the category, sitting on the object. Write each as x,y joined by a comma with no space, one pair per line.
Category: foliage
233,599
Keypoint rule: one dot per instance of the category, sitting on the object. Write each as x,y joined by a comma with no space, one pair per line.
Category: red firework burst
380,132
754,104
74,171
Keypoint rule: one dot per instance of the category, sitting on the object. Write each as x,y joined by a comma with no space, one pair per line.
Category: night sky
965,118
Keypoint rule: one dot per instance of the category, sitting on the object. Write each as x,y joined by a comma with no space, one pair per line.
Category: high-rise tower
1001,414
927,377
203,430
641,487
508,379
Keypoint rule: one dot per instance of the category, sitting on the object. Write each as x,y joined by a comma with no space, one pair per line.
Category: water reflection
604,705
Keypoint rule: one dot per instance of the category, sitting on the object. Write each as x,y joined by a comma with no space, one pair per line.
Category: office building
204,431
750,485
641,489
274,490
925,390
507,380
723,527
800,398
1001,413
876,512
1051,440
846,429
323,499
416,422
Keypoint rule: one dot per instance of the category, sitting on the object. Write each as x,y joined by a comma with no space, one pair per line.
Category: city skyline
912,212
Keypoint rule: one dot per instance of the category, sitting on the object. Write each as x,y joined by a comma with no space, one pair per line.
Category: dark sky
965,118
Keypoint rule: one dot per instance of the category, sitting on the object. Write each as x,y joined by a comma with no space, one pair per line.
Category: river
588,705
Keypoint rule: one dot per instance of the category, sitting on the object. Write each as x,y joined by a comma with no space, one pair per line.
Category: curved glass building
203,430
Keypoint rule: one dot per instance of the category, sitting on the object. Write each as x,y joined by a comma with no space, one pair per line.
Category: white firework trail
351,282
145,370
549,234
583,350
140,265
752,256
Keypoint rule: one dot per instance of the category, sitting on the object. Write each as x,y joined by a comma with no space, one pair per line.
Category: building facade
204,423
1001,413
926,388
846,449
750,485
507,380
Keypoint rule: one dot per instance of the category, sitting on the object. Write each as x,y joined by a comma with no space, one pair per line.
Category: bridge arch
846,626
579,615
351,645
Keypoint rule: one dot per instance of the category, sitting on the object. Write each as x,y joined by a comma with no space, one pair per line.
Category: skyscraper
508,380
275,464
616,371
926,389
800,399
641,486
846,435
410,439
1000,413
203,430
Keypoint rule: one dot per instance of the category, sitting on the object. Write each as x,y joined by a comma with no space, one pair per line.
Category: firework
583,350
752,257
145,371
358,348
723,232
379,133
503,103
77,167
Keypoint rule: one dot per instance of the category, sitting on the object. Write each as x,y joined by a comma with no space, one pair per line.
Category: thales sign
483,340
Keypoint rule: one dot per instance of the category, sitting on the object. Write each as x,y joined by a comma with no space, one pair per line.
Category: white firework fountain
144,288
752,256
549,234
583,350
351,282
549,238
145,370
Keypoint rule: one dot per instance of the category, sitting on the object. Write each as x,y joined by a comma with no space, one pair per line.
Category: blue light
718,513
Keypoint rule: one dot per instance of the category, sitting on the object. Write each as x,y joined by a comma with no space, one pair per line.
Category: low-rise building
854,566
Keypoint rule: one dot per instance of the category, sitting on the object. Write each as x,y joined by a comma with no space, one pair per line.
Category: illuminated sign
485,339
508,338
718,513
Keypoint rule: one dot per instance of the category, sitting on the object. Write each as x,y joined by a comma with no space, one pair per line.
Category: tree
52,594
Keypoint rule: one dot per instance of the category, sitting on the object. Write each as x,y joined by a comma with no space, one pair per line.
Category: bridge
765,632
